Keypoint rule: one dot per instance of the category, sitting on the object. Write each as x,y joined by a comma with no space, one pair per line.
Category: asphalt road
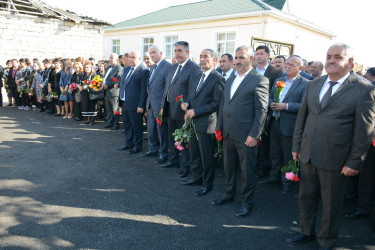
63,185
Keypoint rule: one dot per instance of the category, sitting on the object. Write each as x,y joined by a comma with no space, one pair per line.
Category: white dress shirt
262,71
334,88
183,65
228,74
237,81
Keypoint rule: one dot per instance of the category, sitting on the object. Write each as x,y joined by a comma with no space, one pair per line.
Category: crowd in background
137,90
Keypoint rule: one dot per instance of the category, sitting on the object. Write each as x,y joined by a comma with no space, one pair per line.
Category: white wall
36,37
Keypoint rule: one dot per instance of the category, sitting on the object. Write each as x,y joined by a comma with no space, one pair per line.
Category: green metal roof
200,10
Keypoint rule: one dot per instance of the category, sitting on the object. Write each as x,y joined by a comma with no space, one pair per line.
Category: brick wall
39,37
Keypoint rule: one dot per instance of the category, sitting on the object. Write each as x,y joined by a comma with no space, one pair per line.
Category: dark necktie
129,75
224,74
200,84
178,71
327,95
152,73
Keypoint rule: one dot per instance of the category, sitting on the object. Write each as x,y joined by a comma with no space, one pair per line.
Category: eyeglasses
291,65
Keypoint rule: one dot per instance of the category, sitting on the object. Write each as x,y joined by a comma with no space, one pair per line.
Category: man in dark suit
242,113
333,131
132,98
283,118
111,91
157,135
263,67
226,66
177,84
1,85
205,94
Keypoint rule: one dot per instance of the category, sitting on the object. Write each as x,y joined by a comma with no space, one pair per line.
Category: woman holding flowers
65,79
37,84
54,85
76,80
87,106
22,76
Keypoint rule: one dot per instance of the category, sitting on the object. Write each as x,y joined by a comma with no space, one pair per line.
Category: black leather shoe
134,150
268,181
351,196
287,188
299,238
85,122
191,182
149,154
183,173
162,159
354,215
115,127
169,164
203,191
224,198
108,126
244,211
123,147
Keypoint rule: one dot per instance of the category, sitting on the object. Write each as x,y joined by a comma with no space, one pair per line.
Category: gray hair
115,56
249,50
300,61
146,54
154,46
348,50
212,52
182,43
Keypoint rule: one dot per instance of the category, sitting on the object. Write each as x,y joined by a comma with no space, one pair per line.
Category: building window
225,43
116,46
147,42
169,42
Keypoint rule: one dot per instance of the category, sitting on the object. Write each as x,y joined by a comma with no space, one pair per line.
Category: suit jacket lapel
184,68
242,84
157,70
318,89
138,68
293,87
206,82
346,85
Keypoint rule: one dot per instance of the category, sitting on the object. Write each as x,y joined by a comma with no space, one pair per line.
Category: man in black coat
132,98
205,94
178,80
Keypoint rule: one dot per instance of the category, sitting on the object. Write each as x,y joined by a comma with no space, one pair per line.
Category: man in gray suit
242,113
157,135
111,88
332,135
282,126
177,84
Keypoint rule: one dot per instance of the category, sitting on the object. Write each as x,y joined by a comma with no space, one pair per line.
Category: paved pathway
63,185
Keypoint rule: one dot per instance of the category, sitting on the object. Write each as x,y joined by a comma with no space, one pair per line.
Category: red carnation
187,146
114,79
179,98
219,137
295,178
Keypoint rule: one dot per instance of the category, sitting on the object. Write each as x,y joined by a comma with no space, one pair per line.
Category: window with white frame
169,42
147,42
225,43
116,46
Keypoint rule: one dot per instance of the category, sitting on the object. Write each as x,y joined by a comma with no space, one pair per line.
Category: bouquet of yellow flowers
96,83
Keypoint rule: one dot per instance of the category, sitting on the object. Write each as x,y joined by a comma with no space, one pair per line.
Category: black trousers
330,186
366,188
280,150
133,124
247,159
173,155
202,158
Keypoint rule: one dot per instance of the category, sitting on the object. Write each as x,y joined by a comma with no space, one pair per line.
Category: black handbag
96,95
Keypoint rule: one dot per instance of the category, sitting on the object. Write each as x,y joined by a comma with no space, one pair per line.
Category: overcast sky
349,20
